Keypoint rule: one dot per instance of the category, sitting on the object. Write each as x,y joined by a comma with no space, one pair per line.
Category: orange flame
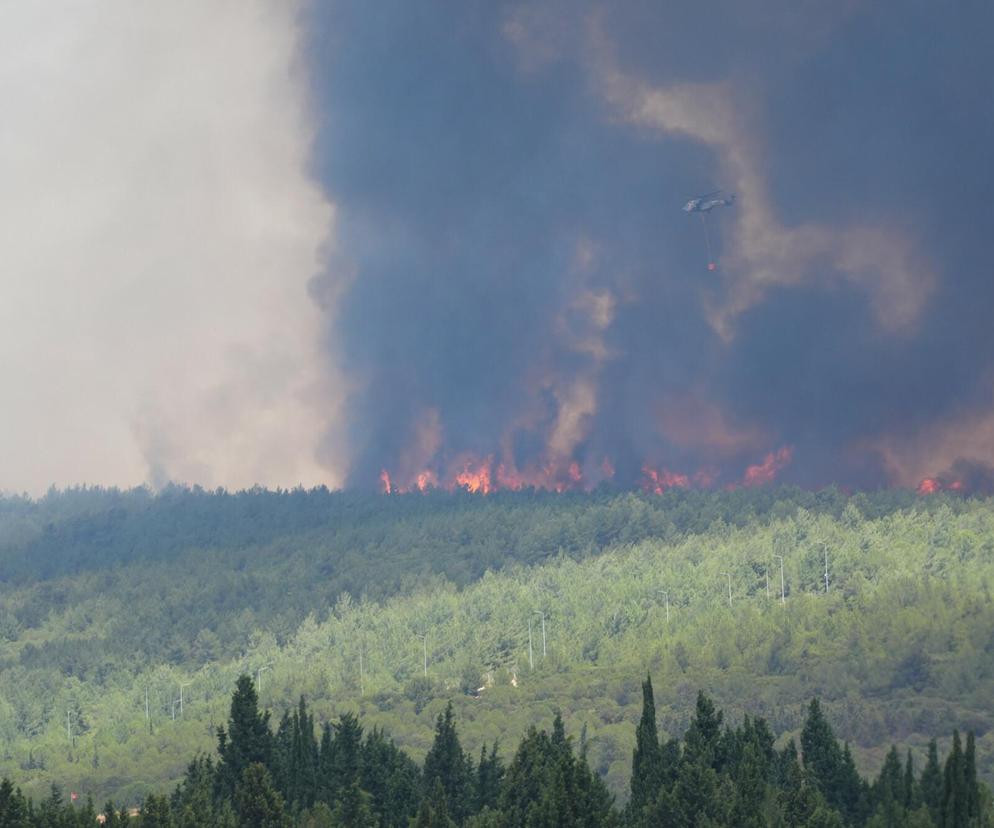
475,476
932,485
658,481
426,480
483,476
766,471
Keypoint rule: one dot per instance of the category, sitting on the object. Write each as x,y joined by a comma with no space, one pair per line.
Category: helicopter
704,204
707,202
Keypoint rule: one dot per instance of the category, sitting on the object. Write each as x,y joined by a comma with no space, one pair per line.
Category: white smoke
159,229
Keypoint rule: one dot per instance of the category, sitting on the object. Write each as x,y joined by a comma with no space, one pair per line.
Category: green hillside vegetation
107,595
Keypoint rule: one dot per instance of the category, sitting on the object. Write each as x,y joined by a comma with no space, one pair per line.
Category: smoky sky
525,279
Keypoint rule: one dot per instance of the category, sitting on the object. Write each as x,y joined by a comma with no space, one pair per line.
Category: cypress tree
750,788
820,751
282,767
448,764
832,770
295,757
434,811
910,788
526,776
326,766
888,792
392,779
345,758
248,739
13,806
703,737
787,761
193,802
353,808
111,819
257,803
647,758
931,783
595,803
693,799
50,810
155,813
970,780
87,815
954,788
851,793
559,739
798,799
489,775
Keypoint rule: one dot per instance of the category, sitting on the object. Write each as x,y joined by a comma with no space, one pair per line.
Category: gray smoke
509,181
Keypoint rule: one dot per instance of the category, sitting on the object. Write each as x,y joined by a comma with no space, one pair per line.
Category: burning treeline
483,475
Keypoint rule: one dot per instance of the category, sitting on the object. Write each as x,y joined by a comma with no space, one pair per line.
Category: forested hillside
390,606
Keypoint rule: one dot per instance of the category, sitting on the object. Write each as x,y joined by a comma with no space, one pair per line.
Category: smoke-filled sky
254,242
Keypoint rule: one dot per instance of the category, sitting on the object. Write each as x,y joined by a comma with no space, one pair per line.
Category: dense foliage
110,599
717,776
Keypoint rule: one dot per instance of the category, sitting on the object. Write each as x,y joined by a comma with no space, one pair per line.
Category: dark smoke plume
531,305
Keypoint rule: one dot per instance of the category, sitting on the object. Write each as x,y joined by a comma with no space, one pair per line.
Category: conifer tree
954,788
111,819
799,800
248,739
595,803
283,757
972,785
911,796
193,802
326,766
13,806
850,792
347,746
257,803
703,737
647,758
434,811
820,751
525,776
448,764
692,800
832,770
392,779
750,787
888,792
87,815
155,813
489,775
931,783
353,808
